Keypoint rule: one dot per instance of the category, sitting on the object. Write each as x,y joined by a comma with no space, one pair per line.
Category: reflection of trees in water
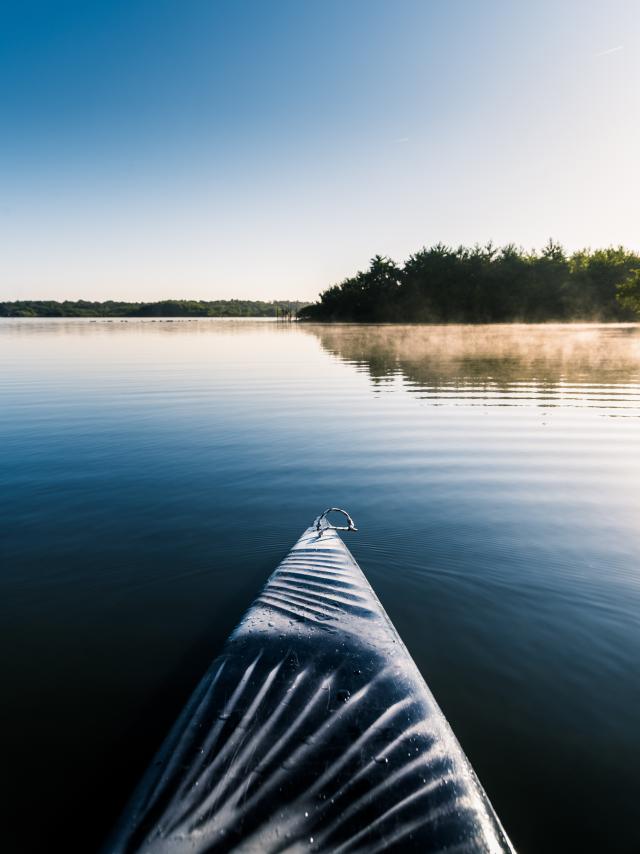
490,357
153,326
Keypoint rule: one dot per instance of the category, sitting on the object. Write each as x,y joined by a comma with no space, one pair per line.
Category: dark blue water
153,473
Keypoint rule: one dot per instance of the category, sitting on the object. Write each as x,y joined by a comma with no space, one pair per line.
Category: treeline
487,284
165,308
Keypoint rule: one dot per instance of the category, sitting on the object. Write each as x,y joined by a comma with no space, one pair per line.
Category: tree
628,292
484,284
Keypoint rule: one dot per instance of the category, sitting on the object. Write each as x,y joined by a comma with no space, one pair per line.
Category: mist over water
534,358
153,473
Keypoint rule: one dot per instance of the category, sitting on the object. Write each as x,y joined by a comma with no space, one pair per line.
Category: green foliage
166,308
439,284
628,292
487,284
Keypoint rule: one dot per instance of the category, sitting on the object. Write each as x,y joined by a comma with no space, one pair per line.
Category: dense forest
166,308
440,284
487,284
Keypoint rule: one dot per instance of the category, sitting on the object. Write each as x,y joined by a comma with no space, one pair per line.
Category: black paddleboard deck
313,731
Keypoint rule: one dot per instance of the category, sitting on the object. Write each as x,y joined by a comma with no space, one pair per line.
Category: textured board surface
313,731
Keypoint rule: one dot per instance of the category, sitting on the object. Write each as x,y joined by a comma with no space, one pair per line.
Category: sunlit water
153,473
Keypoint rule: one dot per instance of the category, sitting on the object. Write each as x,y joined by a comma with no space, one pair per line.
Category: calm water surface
153,473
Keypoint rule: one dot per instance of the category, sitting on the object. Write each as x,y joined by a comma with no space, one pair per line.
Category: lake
153,473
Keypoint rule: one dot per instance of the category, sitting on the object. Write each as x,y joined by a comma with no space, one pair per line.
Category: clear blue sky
218,148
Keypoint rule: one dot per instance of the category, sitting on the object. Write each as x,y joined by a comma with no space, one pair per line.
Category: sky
205,149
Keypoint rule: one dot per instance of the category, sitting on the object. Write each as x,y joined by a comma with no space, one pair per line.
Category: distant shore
488,284
164,308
